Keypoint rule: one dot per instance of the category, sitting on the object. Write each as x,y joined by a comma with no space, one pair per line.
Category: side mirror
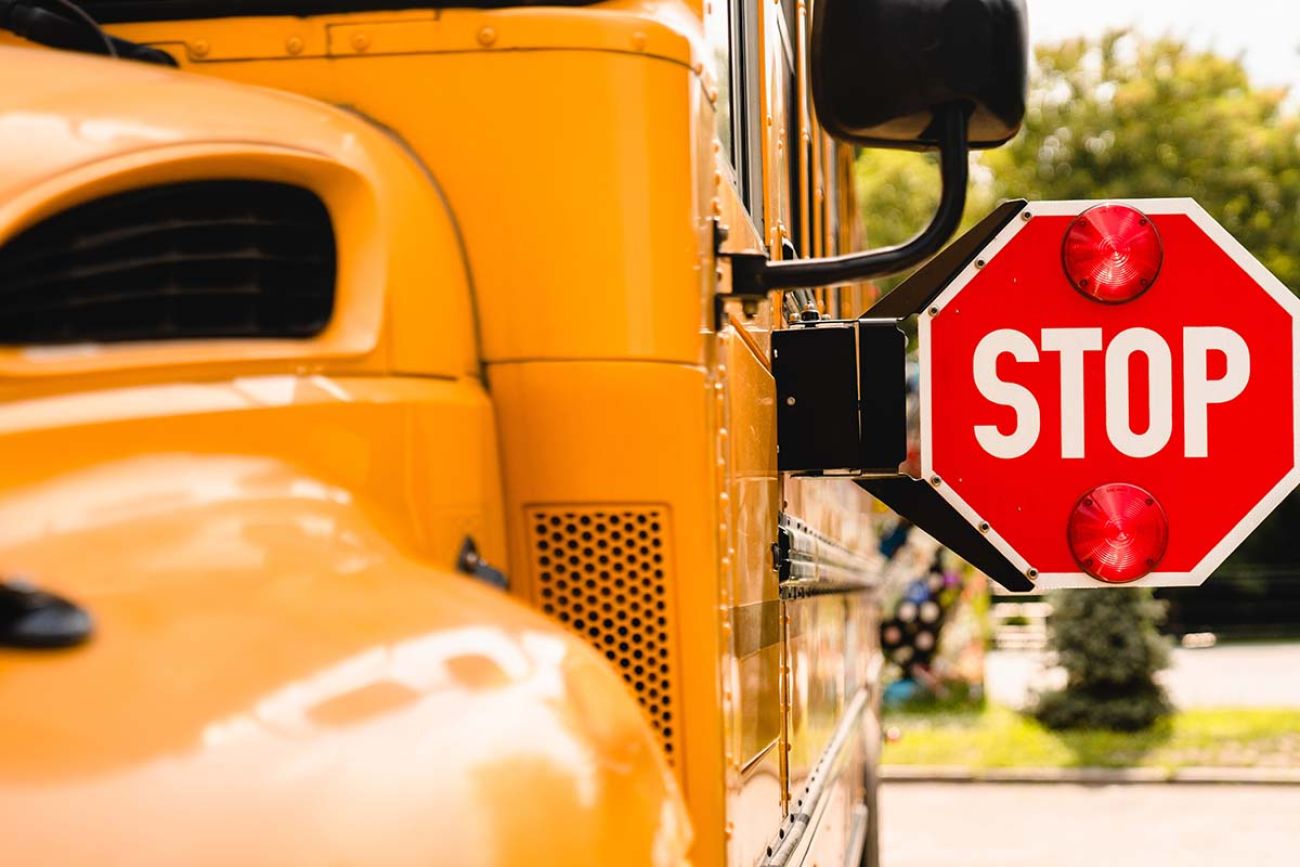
945,75
882,68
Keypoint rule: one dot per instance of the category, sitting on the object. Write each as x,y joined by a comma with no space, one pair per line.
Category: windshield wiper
64,24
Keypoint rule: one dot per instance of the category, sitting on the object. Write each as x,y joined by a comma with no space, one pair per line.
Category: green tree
1107,643
1124,116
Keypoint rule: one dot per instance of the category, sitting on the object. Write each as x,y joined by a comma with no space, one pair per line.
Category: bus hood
273,682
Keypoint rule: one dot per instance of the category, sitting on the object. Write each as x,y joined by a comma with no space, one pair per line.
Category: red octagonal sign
1109,392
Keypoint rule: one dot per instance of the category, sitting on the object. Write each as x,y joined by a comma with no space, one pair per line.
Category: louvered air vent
601,571
229,258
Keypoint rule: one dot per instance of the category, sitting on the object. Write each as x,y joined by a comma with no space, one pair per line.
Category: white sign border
1247,262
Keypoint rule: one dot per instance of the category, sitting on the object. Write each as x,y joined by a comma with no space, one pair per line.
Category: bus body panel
285,670
563,268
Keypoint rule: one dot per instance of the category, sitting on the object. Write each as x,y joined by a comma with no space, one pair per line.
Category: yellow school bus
388,428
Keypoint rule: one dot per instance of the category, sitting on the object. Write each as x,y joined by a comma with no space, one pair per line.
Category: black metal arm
757,275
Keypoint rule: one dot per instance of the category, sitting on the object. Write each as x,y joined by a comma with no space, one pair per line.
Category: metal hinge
781,553
471,563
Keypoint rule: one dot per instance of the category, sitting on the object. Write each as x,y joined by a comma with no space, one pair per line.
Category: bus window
748,107
717,27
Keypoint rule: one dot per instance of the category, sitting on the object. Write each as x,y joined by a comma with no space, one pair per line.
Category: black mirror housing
881,68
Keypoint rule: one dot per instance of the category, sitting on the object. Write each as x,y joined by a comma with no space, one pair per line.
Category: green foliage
1125,116
1000,738
898,192
1106,641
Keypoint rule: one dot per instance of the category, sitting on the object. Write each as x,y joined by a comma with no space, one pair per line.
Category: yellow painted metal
526,329
582,210
752,701
89,128
282,655
651,425
265,533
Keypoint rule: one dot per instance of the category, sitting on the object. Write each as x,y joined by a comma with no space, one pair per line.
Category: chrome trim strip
796,825
813,557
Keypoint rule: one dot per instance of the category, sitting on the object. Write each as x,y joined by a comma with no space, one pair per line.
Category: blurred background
1114,727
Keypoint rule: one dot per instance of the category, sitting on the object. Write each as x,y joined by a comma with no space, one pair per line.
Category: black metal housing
841,397
881,67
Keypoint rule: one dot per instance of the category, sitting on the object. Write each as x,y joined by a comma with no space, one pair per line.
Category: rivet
360,41
638,41
934,311
1026,216
200,48
984,526
789,401
936,481
979,263
293,45
1031,573
487,36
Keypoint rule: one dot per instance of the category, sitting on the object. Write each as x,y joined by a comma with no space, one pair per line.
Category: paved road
1240,675
1056,825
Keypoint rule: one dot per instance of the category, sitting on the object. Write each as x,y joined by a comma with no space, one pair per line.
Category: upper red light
1118,533
1112,253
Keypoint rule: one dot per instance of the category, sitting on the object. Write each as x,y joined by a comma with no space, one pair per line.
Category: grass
1000,738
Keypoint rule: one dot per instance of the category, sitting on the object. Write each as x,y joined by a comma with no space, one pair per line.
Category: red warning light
1112,253
1118,533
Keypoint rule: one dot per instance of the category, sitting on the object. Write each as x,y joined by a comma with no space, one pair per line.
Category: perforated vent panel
601,571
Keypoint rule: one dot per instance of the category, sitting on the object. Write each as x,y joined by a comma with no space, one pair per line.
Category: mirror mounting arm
756,275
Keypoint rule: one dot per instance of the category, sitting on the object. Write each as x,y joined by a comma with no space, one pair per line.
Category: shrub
1107,642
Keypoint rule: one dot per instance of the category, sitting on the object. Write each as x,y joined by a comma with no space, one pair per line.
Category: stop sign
1109,393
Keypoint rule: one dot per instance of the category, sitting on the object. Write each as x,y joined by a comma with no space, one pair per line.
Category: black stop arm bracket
842,402
917,292
921,504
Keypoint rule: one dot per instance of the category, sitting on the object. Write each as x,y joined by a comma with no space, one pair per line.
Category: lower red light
1112,253
1118,533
